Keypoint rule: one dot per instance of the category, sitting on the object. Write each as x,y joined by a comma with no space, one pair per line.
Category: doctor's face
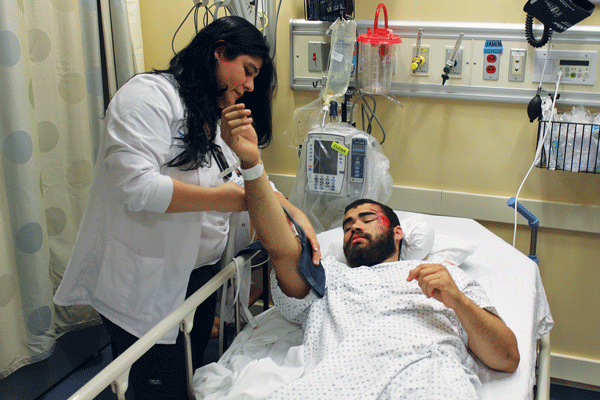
236,76
369,238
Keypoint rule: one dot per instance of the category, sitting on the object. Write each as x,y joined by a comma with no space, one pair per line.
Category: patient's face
368,236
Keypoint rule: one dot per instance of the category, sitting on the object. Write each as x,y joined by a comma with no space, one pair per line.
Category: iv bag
343,38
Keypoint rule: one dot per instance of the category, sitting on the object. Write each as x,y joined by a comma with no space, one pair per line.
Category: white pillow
418,238
451,250
331,242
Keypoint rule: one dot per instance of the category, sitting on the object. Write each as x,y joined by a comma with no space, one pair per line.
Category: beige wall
462,146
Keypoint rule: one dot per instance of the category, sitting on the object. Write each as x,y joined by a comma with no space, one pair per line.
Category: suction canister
377,57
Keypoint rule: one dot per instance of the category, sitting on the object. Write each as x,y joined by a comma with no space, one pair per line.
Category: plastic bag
326,210
575,131
571,143
304,120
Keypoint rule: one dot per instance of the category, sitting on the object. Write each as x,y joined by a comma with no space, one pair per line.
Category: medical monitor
336,163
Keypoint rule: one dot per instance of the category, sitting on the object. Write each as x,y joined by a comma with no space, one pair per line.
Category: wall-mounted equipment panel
578,67
496,62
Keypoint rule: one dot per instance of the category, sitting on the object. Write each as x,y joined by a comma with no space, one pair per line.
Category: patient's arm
266,214
490,339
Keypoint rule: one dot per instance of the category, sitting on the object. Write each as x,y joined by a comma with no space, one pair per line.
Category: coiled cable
546,35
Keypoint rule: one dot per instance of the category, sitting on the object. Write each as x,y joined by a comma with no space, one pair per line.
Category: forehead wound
385,221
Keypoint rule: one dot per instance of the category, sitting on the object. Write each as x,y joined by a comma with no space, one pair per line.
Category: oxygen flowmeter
451,62
418,59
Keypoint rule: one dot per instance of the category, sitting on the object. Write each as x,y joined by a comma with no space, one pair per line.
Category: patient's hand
239,134
435,281
489,338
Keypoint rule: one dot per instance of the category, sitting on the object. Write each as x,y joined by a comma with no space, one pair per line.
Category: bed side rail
542,390
543,369
116,373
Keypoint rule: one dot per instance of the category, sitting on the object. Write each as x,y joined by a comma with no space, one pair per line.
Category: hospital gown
376,336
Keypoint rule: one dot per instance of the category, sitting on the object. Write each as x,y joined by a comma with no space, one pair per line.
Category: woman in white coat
157,216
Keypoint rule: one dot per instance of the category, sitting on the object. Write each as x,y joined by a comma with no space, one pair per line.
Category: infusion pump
336,163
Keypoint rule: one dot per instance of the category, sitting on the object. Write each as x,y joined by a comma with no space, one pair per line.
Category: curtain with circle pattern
51,103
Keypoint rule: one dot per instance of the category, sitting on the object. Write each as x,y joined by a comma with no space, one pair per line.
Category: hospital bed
511,280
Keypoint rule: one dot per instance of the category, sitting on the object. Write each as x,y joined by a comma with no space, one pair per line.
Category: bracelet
253,173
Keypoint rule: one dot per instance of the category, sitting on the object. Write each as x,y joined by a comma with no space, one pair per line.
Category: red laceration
382,218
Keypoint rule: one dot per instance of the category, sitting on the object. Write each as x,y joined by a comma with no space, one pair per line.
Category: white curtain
52,98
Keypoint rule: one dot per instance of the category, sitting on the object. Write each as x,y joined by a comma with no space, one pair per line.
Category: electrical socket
516,72
491,67
423,69
458,62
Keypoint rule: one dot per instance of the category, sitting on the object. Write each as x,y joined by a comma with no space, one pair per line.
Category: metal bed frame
542,389
116,374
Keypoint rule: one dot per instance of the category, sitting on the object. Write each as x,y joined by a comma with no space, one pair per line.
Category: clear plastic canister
377,57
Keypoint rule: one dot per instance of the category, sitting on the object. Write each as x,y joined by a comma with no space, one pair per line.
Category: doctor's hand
232,198
239,134
312,238
435,281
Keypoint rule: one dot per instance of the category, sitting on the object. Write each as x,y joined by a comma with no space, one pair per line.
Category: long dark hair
194,70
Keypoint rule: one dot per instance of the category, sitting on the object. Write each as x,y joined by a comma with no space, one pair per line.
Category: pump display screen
325,161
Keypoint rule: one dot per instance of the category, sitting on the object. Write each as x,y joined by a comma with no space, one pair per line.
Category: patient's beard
374,252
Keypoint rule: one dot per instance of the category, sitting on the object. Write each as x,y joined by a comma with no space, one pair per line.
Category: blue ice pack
313,275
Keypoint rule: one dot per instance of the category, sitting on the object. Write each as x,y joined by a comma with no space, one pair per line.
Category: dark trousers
160,372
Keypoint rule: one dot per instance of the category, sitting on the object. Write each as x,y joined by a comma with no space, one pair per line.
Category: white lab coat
131,261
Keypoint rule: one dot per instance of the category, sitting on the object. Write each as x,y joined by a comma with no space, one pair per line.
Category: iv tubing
545,63
538,151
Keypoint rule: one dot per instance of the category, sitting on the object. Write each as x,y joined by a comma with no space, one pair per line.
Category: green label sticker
338,147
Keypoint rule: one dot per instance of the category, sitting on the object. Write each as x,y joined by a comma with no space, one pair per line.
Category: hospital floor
94,364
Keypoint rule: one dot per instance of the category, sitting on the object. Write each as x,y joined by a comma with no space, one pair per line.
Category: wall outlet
491,67
516,65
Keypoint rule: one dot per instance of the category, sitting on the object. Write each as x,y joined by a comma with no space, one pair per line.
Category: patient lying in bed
385,328
375,335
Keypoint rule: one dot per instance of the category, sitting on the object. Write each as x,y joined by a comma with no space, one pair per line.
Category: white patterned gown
376,336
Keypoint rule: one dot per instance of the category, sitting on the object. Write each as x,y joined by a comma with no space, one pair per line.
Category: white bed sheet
514,286
250,368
